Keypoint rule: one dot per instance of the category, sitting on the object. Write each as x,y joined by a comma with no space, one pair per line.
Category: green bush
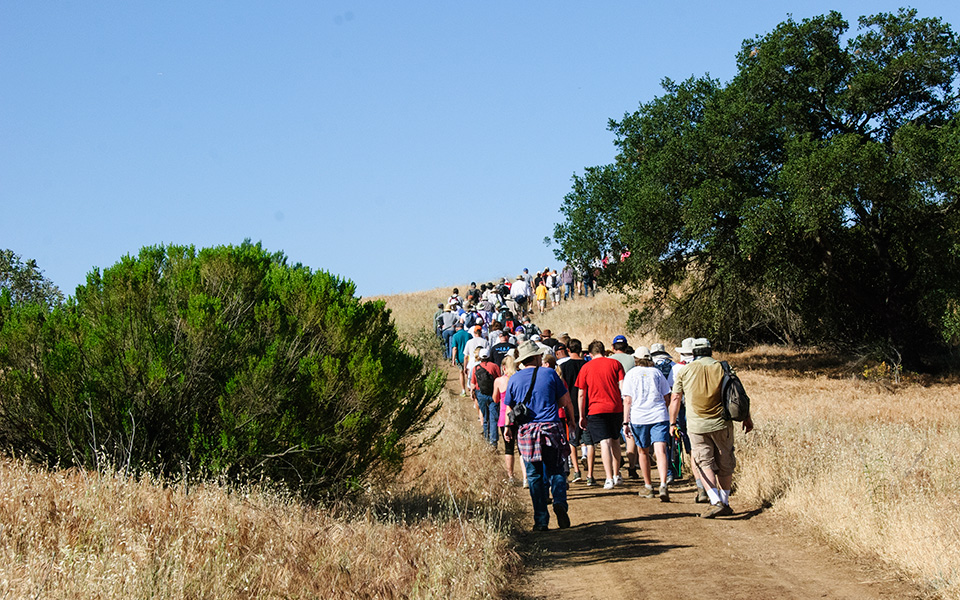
222,362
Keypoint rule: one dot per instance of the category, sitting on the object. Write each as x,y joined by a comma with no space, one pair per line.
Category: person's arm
567,407
748,425
582,402
675,400
627,403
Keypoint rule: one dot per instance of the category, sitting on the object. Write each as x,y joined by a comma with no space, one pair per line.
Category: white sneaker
617,480
608,484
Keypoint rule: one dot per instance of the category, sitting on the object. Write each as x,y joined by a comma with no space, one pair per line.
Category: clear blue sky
404,145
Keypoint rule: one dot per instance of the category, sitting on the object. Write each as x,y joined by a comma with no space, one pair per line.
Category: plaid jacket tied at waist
533,437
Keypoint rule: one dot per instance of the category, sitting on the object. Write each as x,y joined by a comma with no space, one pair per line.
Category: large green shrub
227,361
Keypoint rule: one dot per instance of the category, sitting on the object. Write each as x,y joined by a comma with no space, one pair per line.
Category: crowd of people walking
556,403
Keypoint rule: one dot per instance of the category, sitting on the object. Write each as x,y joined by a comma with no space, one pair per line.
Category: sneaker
670,478
576,477
646,492
526,484
617,480
702,497
463,393
563,519
664,494
717,510
608,484
591,481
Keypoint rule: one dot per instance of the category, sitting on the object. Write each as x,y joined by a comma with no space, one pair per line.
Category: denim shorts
651,433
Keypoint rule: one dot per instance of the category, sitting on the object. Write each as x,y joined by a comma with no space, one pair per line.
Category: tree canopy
812,199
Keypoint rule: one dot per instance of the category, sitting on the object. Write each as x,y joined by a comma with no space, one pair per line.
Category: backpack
484,380
736,403
664,367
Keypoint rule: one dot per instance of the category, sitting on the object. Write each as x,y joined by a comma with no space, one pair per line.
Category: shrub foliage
221,362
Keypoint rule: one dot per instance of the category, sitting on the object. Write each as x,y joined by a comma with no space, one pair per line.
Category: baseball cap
619,338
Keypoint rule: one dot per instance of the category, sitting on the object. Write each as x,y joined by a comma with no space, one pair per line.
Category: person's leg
555,469
463,382
660,449
508,455
493,415
483,403
591,458
607,457
538,494
631,455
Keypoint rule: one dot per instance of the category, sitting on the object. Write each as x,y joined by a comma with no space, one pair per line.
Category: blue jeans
539,477
490,412
446,334
567,291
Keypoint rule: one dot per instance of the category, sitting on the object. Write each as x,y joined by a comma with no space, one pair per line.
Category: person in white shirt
646,399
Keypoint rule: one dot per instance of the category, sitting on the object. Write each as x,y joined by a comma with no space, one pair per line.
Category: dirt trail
624,546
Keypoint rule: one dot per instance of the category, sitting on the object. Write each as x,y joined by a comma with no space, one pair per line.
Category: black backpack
484,380
736,403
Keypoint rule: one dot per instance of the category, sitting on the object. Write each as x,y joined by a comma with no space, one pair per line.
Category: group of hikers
555,402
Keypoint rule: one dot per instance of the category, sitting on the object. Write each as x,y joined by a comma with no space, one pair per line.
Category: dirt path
624,546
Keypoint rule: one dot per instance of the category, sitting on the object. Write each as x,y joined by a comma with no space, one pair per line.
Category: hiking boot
539,527
646,492
608,484
632,474
702,497
716,510
664,494
563,519
576,477
591,481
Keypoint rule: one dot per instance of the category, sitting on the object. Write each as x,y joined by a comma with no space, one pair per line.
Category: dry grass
869,467
442,531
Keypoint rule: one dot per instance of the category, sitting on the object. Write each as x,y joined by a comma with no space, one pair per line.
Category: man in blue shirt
542,442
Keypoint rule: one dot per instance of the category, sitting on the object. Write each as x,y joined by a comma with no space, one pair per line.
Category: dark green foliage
813,199
22,281
225,361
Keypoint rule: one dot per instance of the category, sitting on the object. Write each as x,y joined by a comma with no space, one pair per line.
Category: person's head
529,354
496,326
509,366
658,352
458,326
642,357
547,333
561,351
440,305
550,361
596,348
564,339
473,284
619,344
484,354
526,270
456,291
477,330
504,335
526,320
575,346
686,350
701,348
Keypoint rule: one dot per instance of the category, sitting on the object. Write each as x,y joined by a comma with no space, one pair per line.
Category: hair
565,340
495,326
574,345
595,347
549,360
456,291
509,366
643,362
702,352
620,346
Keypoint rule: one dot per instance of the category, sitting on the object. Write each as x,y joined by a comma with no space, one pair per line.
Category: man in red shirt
601,407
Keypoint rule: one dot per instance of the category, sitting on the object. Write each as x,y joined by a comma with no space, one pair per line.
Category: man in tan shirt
711,436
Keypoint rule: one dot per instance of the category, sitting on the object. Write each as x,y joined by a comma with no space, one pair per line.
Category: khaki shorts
714,450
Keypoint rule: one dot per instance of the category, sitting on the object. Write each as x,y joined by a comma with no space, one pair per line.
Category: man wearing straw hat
542,442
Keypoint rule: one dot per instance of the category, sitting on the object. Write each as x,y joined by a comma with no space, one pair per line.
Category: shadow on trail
610,541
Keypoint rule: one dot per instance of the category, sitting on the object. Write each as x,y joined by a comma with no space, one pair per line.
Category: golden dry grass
441,531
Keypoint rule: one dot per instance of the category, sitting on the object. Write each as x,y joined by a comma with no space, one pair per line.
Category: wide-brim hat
686,346
642,352
658,350
700,344
528,349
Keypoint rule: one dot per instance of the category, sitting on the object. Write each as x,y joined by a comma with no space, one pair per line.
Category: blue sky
402,145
